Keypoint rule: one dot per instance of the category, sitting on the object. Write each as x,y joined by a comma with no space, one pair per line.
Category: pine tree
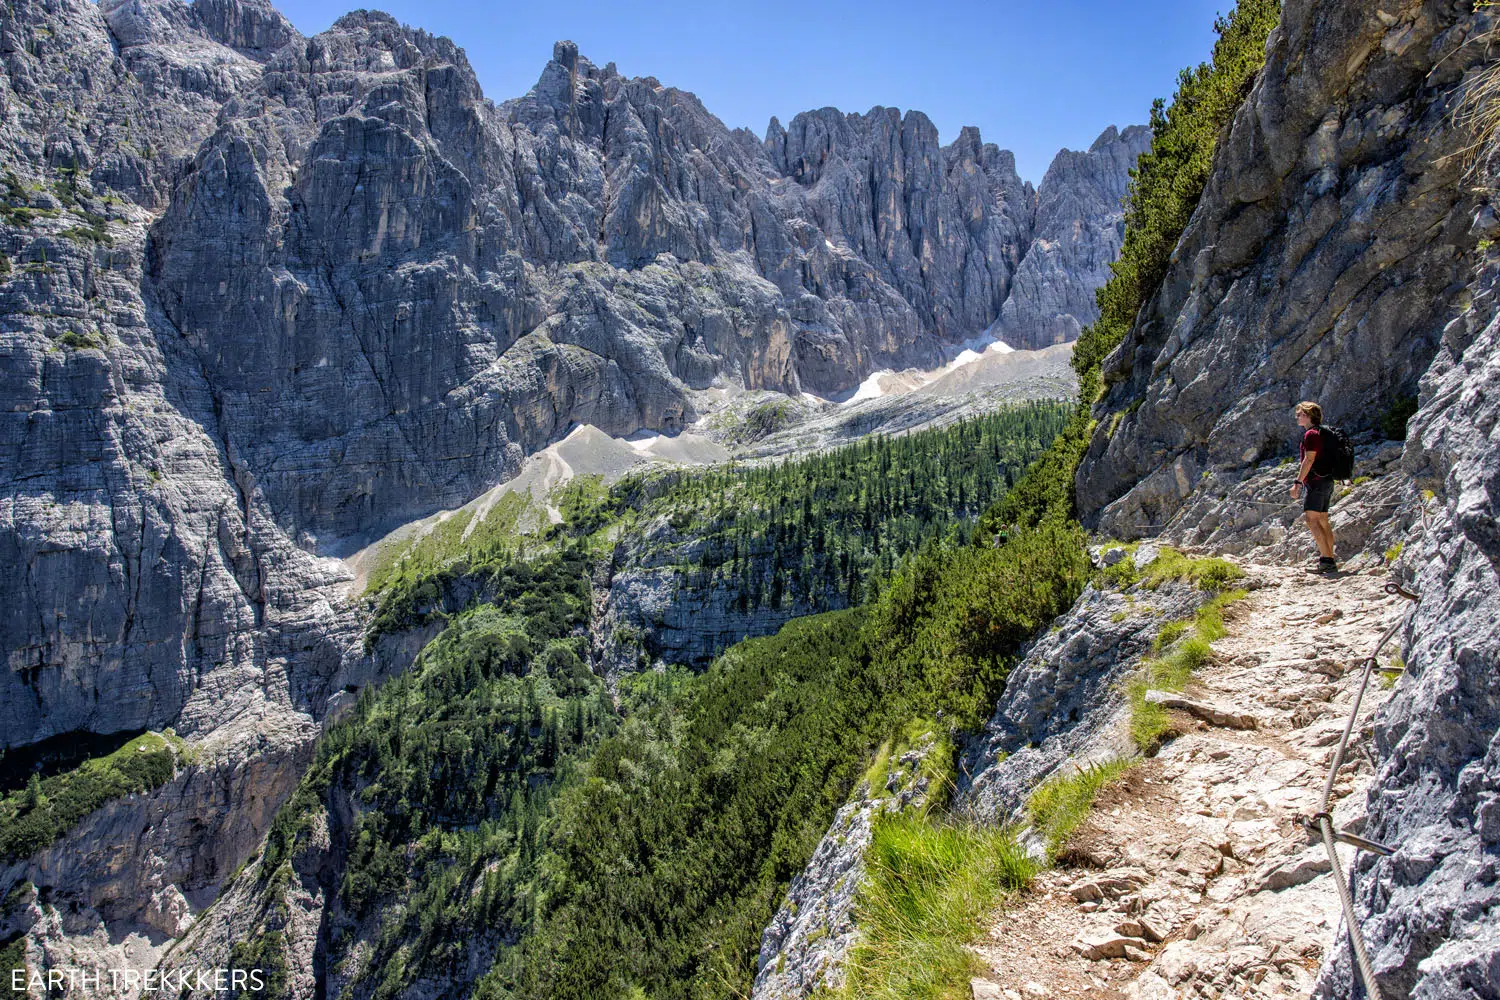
34,798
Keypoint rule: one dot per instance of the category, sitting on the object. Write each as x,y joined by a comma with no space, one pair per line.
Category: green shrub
83,341
955,618
1393,422
1046,490
763,420
264,954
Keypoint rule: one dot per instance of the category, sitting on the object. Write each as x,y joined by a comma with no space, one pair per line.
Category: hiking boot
1325,567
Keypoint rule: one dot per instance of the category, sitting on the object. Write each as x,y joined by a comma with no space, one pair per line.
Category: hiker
1318,487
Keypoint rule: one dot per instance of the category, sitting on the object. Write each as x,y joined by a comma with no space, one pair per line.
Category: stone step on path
1192,877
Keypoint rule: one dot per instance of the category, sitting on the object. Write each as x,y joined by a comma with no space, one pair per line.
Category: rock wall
1325,257
1332,257
1079,228
152,586
1062,695
1427,912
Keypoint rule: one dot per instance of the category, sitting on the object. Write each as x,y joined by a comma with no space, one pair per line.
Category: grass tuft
1059,805
1186,652
1170,633
1171,565
1479,111
1150,725
927,889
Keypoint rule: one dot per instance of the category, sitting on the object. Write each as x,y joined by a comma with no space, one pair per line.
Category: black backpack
1336,457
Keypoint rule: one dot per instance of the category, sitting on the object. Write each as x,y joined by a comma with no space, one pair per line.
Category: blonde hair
1313,410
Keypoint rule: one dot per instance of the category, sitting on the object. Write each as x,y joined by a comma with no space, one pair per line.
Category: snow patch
968,352
870,388
642,441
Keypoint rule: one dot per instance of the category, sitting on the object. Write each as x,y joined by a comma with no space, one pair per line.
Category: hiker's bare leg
1323,535
1317,524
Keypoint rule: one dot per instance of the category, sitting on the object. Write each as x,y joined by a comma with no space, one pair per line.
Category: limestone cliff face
1427,911
1078,229
1333,257
151,586
944,228
273,295
1322,262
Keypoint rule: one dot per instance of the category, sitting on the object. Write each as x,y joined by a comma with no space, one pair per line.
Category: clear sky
1035,76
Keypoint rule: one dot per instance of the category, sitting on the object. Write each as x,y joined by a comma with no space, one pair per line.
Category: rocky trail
1193,876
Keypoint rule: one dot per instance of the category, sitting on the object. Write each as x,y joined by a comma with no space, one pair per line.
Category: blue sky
1034,76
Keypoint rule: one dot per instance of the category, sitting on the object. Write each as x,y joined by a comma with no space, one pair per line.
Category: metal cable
1355,937
1325,820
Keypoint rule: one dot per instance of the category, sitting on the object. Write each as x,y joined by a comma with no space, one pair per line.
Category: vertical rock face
1079,227
1428,911
151,586
1321,262
345,290
942,227
1332,258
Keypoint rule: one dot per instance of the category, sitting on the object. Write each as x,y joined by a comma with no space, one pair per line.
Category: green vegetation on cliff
927,889
677,846
34,816
437,788
1168,180
493,801
811,533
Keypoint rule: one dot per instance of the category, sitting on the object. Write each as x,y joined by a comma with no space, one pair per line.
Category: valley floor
1193,876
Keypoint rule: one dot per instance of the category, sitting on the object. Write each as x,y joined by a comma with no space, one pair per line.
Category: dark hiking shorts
1316,495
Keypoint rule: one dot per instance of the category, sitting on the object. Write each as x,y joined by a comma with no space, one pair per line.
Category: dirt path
1192,876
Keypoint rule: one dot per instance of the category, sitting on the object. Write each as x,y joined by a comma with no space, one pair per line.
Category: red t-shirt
1312,441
